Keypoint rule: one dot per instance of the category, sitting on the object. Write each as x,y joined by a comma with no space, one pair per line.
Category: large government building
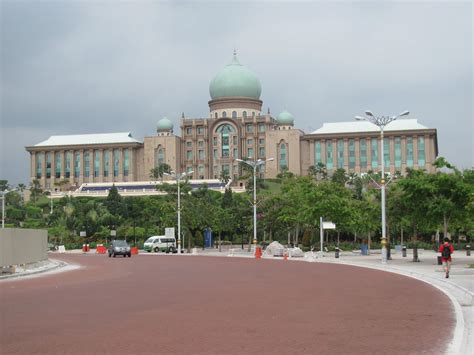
235,128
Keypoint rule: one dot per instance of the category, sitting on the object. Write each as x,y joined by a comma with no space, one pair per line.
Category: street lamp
381,122
178,178
3,194
254,164
51,201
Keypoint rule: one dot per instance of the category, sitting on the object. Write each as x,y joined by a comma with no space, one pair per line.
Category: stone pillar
403,147
345,154
358,168
323,151
120,167
101,165
131,164
33,166
63,164
391,145
43,169
81,167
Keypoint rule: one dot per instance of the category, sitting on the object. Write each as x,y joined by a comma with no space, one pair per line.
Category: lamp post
254,164
51,201
4,194
381,122
178,178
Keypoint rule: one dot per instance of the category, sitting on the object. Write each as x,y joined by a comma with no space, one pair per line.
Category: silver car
119,247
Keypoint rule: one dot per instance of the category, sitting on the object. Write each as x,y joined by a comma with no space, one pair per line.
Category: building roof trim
88,139
365,126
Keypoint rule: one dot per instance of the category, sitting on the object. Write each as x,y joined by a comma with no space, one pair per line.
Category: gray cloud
90,67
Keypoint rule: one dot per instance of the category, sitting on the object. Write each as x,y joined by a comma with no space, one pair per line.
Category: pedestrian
446,250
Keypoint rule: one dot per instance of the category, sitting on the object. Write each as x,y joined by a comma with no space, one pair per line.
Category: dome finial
235,52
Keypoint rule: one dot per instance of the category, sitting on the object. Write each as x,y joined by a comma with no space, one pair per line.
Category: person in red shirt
446,250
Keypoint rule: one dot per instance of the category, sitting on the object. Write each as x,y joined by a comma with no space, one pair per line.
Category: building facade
235,128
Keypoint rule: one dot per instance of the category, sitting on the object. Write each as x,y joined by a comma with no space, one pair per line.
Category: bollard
468,250
337,253
415,254
404,251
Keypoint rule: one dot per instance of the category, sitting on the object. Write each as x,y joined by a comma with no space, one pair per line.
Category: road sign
329,225
169,232
82,234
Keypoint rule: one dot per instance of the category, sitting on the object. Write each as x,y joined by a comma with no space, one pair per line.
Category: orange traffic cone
285,255
258,253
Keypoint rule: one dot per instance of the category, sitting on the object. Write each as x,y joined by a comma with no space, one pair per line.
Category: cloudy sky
70,67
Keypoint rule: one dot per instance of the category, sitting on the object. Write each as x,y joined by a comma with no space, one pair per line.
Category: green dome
164,125
285,118
235,80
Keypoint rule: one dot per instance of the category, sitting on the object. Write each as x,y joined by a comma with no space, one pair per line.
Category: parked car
160,243
119,247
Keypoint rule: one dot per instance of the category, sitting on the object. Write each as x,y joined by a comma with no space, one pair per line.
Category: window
189,169
68,164
215,115
48,165
234,114
253,114
249,128
201,154
261,127
250,152
234,140
352,160
374,152
159,156
201,171
87,164
39,165
214,140
106,162
283,157
317,152
261,141
386,151
116,162
189,130
201,144
189,144
200,130
126,162
96,163
214,153
261,152
249,141
226,169
236,154
189,154
57,165
398,152
363,153
329,155
224,114
409,152
340,154
244,114
421,151
77,164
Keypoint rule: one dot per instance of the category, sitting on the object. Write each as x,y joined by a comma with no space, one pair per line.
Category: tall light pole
381,122
51,201
4,194
178,178
254,164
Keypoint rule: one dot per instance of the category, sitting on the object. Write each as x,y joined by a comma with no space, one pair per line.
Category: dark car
119,247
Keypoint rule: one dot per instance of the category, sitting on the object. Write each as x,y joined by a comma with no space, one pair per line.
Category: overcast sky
70,67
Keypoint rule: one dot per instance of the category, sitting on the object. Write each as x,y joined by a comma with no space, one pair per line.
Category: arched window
244,114
283,159
225,131
159,156
234,114
224,114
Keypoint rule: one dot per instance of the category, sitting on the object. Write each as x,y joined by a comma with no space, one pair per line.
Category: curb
57,264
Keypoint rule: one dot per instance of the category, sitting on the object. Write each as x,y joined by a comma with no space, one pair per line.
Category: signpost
322,227
169,232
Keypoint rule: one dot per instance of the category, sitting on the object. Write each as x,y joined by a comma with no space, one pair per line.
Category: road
179,304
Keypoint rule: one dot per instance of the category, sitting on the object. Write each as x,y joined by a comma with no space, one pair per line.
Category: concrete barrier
22,246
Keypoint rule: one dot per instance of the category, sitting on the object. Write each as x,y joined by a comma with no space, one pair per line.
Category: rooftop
80,139
365,126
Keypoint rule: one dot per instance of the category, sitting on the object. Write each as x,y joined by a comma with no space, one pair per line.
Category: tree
35,189
318,171
114,202
158,171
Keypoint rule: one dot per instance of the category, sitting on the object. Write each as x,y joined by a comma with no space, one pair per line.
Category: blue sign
208,238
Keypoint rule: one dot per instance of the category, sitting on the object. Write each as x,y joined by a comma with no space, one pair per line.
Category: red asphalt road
170,304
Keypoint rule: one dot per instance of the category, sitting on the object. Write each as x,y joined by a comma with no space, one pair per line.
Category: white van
160,243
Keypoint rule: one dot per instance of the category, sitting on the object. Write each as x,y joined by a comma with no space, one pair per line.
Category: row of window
233,114
249,128
371,144
71,161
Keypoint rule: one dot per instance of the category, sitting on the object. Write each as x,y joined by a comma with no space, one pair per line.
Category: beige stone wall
171,146
22,246
292,138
